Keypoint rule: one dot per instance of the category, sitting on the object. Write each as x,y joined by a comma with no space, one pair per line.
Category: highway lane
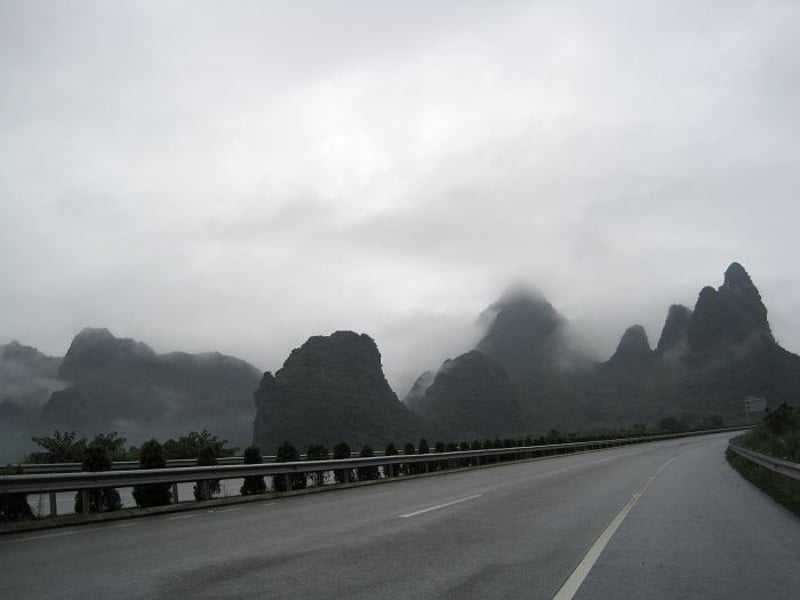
700,531
517,531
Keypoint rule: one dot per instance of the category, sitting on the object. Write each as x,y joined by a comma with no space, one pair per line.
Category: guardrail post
53,505
175,493
85,508
205,492
288,479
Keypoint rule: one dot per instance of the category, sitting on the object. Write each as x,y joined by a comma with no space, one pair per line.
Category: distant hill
528,338
710,359
118,384
471,397
332,389
524,376
706,362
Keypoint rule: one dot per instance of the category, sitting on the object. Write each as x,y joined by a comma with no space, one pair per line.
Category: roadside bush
207,458
288,453
780,488
342,451
781,420
409,468
151,456
317,452
367,473
95,458
252,484
391,450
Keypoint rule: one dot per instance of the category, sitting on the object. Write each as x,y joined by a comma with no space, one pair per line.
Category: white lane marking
230,510
121,526
438,506
576,579
268,504
178,518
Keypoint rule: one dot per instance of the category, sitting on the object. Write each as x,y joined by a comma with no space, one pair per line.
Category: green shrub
151,456
391,450
207,458
96,458
288,453
780,488
252,484
317,452
368,473
342,451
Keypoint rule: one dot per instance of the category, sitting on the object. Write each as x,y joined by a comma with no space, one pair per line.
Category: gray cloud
240,176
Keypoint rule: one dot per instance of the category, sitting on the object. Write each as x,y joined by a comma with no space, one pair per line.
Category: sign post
754,405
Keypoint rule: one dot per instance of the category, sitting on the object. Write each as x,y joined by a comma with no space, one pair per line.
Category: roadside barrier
390,467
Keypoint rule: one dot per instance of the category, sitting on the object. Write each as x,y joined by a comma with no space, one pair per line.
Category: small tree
476,445
408,468
423,447
189,446
58,448
207,458
371,472
96,458
390,450
151,456
342,451
252,484
780,420
439,465
113,445
464,447
318,452
288,453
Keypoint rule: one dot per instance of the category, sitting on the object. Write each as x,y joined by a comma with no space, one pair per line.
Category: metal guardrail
127,465
778,465
84,481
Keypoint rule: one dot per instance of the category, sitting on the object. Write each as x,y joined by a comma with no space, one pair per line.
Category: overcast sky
237,176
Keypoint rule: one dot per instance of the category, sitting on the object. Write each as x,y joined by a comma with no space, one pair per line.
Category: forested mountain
27,379
524,376
471,397
105,383
332,389
123,385
706,362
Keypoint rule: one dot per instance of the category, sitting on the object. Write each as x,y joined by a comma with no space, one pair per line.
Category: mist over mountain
528,338
27,379
123,385
332,389
706,362
105,383
525,375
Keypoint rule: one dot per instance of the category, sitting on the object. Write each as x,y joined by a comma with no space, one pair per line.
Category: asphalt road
684,525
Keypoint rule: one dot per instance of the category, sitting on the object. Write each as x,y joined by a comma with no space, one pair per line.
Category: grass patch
782,489
785,445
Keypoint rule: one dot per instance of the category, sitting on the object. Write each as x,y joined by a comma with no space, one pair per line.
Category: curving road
661,520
